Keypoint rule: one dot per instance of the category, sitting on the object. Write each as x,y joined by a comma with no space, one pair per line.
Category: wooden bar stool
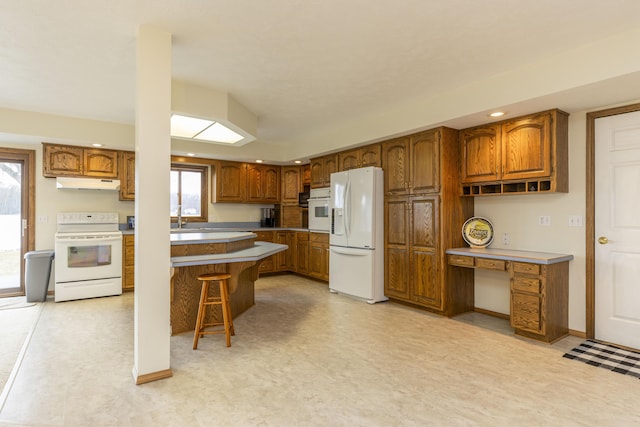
222,301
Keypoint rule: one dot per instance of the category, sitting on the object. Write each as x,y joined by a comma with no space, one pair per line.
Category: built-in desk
539,287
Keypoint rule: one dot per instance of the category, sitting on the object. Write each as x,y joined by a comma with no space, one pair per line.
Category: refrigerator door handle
347,208
349,251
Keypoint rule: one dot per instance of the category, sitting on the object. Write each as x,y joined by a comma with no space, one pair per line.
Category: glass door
16,217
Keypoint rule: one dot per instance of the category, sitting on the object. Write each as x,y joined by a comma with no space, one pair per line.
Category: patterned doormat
607,356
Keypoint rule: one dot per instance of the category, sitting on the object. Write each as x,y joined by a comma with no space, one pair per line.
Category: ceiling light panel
219,133
187,127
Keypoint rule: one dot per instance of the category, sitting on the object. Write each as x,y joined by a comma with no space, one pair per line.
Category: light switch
575,220
544,220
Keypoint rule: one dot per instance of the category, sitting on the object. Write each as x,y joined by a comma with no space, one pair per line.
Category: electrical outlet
544,220
575,220
506,239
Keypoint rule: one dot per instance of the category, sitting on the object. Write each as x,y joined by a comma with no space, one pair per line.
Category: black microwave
303,200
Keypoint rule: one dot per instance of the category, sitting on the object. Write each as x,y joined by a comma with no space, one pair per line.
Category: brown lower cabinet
128,261
284,260
302,252
319,255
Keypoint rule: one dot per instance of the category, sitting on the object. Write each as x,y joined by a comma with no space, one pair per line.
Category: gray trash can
37,274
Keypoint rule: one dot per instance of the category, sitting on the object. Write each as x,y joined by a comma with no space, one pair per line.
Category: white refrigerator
356,252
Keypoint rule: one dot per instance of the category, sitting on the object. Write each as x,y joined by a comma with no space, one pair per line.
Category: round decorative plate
477,232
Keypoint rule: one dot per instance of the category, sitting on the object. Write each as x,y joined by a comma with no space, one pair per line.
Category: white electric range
88,261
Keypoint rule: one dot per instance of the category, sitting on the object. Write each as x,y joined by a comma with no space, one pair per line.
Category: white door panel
617,228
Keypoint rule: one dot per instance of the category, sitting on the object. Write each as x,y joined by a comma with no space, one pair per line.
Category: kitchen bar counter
259,251
207,229
192,254
199,237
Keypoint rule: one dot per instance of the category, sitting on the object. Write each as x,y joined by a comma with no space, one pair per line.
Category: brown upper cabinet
321,170
65,160
359,157
524,155
236,182
411,164
229,182
128,175
480,154
306,175
263,183
292,185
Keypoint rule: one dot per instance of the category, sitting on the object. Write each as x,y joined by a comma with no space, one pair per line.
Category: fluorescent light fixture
201,129
191,154
187,127
219,133
97,145
297,162
258,161
497,114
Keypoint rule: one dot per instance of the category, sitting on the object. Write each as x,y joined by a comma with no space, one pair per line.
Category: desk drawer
526,284
491,264
526,268
462,261
526,312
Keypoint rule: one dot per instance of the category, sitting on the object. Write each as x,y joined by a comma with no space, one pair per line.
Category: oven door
319,215
81,257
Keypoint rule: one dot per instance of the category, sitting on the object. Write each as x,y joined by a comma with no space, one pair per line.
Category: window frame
204,190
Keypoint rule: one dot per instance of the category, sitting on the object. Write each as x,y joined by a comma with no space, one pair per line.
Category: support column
152,243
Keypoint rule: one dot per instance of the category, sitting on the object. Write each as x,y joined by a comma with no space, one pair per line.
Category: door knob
603,240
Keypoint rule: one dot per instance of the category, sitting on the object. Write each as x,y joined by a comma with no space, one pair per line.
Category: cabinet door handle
603,240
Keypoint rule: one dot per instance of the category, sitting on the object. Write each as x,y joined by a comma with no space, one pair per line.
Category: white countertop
259,251
187,238
512,255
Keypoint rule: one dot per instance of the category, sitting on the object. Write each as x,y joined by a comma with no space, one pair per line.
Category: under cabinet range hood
72,183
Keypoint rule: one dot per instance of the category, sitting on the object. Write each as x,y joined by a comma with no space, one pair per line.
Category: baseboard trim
153,376
575,333
492,313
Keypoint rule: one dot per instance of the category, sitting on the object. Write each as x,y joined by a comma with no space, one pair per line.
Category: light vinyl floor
305,357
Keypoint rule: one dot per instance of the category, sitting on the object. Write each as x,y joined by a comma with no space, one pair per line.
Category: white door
617,228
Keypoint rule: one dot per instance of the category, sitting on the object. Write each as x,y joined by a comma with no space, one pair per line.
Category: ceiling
300,66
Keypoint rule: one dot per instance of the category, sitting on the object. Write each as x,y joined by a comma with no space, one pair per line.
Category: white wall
234,212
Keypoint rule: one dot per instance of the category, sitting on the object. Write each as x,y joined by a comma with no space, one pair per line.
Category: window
189,191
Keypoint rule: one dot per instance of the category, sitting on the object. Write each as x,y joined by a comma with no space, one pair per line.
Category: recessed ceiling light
258,161
97,145
297,162
497,114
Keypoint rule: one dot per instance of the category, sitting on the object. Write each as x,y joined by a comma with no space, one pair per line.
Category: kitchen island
192,254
